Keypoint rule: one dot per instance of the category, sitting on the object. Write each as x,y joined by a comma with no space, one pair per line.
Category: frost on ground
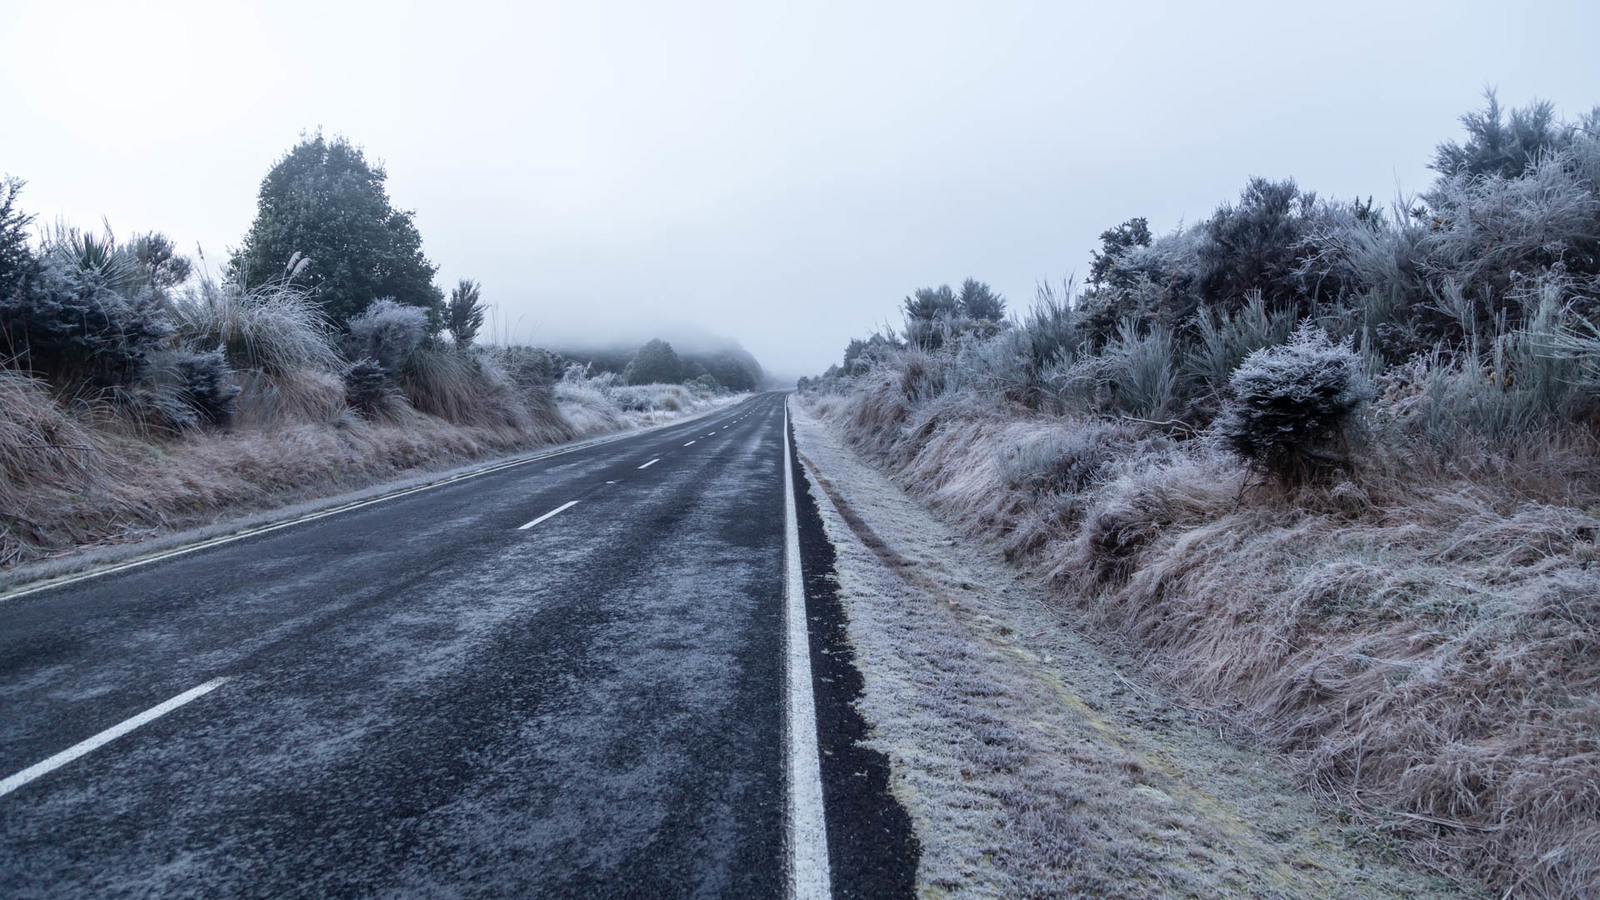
135,495
1035,761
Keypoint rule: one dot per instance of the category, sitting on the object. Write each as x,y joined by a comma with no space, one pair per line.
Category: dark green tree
1500,146
163,266
464,312
979,301
928,304
1114,242
655,363
325,201
17,262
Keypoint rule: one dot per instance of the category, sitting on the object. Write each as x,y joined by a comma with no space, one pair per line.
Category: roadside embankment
82,476
1035,757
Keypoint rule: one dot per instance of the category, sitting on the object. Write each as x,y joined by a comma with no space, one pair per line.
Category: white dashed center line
106,737
562,508
651,463
691,442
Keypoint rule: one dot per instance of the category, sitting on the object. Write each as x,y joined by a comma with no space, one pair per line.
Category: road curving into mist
560,678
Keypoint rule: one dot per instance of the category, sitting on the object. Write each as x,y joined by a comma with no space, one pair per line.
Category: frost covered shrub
1498,146
1510,391
530,368
1489,232
386,334
1291,406
203,378
366,386
1222,341
1140,371
1257,245
83,314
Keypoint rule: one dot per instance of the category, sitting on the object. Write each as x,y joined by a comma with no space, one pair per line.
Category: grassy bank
86,471
1331,470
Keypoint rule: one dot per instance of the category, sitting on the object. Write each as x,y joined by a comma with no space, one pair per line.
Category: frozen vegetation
1329,468
138,394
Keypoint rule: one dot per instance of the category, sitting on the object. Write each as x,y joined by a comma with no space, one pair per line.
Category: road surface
561,678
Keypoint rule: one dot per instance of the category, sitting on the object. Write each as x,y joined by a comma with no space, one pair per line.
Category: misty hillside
725,363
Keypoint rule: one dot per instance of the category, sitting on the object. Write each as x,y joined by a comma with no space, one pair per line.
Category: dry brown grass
81,474
1424,646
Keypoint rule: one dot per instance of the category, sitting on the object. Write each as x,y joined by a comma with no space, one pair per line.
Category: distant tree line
730,367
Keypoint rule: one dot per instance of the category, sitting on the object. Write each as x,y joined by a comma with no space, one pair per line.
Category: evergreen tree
655,363
464,312
979,301
325,201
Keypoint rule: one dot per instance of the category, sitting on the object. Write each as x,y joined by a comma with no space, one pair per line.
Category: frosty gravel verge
1035,761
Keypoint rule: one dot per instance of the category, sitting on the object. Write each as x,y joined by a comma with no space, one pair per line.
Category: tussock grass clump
305,395
276,328
41,446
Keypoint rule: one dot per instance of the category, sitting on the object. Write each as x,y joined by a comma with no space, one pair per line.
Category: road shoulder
1034,760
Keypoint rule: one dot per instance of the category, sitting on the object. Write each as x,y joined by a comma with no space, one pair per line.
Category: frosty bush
1291,406
84,315
365,385
1067,461
204,380
387,333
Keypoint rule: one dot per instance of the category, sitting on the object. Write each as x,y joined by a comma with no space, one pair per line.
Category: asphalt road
422,697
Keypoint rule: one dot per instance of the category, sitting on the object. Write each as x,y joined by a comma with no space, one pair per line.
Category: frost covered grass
1335,471
1034,760
76,475
136,396
1424,647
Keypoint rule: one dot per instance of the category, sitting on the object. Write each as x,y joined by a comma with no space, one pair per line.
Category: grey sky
778,173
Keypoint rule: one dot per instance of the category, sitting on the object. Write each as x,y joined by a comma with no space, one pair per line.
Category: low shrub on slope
1336,472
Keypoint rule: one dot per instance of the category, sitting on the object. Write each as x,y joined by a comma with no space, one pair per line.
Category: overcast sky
781,174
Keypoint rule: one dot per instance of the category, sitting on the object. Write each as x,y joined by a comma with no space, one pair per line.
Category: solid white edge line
808,835
106,737
562,508
651,463
488,468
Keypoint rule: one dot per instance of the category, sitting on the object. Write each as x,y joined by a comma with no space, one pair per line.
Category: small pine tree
464,312
979,301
